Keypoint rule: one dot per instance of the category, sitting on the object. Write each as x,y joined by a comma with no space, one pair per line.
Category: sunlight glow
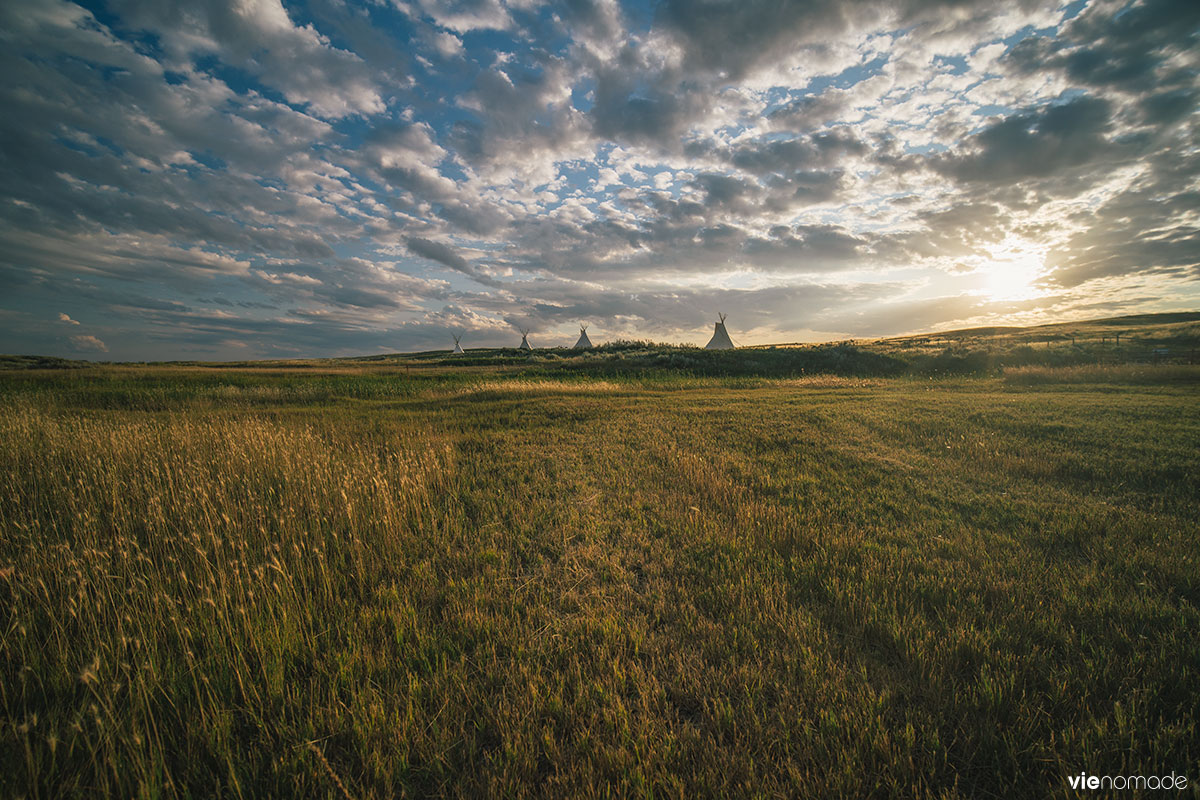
1012,274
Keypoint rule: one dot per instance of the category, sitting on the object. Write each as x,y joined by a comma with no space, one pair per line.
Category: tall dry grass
1116,374
168,582
693,587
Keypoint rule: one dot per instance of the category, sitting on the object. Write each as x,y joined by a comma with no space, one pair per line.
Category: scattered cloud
249,178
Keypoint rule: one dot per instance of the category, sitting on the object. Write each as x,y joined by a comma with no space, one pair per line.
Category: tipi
720,339
457,347
584,343
524,339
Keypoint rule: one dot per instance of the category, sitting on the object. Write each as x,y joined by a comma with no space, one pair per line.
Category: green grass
525,582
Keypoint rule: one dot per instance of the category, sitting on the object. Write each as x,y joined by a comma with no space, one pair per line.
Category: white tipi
524,339
457,347
720,339
584,343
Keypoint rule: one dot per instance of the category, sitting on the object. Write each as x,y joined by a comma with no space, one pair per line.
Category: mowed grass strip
496,586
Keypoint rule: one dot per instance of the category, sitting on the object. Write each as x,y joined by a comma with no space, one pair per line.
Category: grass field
370,582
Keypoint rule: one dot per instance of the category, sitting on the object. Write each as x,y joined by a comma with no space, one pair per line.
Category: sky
238,179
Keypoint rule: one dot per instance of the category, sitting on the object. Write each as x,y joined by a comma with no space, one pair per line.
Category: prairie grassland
365,583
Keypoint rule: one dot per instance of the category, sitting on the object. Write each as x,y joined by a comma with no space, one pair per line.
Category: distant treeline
1154,339
39,362
622,357
639,358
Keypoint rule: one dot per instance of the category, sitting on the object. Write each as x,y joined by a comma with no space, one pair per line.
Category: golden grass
165,563
523,387
1118,374
815,587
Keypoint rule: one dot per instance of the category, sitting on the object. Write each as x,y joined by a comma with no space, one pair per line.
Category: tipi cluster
720,339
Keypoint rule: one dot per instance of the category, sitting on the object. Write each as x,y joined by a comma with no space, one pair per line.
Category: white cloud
260,36
447,44
88,343
573,165
463,16
279,278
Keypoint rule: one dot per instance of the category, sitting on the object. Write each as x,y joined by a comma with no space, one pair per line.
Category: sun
1013,278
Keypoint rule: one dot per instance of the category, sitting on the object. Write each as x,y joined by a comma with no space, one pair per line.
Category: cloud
1149,228
911,315
88,343
447,44
267,179
260,37
67,319
1130,46
811,111
524,119
464,16
440,253
1035,144
443,254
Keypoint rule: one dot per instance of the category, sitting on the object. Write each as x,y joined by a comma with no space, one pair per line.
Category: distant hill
1172,327
1172,338
1163,336
1139,338
40,362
